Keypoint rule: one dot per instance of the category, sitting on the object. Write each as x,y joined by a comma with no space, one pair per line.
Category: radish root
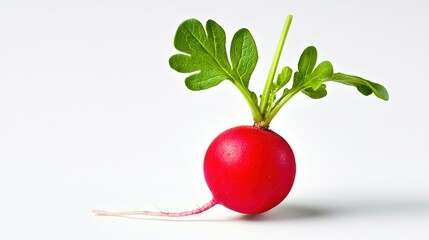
199,210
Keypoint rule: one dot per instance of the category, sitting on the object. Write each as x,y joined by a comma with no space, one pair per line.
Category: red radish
249,169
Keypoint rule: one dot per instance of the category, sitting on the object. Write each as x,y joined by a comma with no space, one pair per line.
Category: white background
91,116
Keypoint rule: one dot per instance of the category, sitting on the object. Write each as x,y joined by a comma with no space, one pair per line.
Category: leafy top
204,55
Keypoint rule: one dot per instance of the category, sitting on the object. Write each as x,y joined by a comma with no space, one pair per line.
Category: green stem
257,116
280,103
274,64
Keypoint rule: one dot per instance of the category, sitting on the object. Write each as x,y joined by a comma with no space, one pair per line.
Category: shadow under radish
287,213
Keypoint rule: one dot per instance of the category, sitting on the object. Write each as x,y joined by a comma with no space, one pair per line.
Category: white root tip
159,214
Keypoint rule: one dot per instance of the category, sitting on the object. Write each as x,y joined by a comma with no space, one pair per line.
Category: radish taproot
249,169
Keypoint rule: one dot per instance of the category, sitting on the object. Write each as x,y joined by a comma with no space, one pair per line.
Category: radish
249,169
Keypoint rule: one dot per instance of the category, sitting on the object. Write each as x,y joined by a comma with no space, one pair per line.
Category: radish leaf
244,55
364,86
204,55
283,78
316,94
204,51
307,61
322,72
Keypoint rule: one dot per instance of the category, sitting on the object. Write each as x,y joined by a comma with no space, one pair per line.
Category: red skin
249,170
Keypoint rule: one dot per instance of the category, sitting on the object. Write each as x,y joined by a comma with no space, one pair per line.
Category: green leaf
322,72
316,94
244,55
206,54
364,86
183,63
283,78
307,61
285,91
297,79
